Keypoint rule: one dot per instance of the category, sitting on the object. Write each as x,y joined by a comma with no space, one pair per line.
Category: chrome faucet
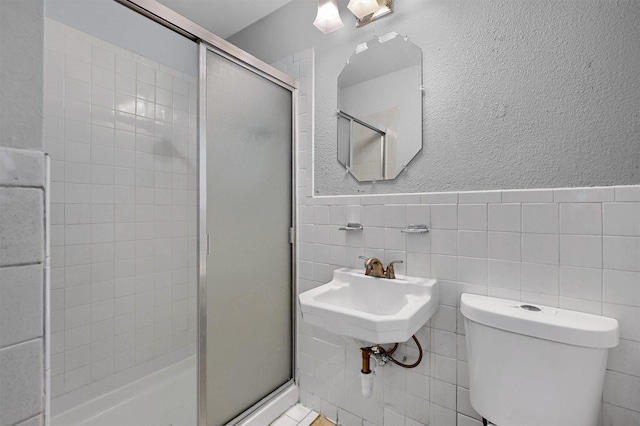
373,268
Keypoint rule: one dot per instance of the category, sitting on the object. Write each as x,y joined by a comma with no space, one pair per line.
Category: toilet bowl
535,365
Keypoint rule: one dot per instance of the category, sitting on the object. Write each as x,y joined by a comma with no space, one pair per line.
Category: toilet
535,365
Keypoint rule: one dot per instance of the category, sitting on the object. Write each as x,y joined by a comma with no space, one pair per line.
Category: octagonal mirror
380,108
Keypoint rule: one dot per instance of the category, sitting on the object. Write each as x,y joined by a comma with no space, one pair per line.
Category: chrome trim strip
294,244
47,291
171,19
229,56
202,238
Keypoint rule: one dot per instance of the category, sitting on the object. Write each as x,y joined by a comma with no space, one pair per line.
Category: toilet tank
533,364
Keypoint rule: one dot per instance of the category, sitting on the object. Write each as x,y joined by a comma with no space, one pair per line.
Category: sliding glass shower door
249,263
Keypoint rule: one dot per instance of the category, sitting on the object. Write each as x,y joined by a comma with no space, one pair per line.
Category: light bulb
362,8
328,17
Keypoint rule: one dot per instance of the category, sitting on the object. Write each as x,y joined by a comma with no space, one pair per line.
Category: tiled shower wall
121,132
577,249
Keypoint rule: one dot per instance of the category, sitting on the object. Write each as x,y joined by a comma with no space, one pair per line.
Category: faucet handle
390,273
365,258
373,267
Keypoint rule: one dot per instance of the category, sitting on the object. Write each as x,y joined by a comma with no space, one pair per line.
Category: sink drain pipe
366,375
382,356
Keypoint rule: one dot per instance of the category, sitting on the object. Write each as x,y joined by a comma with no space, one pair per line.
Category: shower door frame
204,236
209,41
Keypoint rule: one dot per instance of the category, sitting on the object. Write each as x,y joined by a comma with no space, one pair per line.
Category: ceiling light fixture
367,11
328,17
362,8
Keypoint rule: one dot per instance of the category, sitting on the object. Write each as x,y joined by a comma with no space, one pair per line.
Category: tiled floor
297,415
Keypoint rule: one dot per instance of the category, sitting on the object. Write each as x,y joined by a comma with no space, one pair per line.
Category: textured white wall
519,94
21,213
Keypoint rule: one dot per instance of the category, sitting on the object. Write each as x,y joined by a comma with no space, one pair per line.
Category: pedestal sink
376,310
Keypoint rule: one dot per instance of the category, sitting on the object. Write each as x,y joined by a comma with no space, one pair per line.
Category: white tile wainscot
576,249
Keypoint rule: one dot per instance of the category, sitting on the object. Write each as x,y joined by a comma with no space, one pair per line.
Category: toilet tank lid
558,325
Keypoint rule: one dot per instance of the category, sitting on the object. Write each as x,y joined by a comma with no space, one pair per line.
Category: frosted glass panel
249,289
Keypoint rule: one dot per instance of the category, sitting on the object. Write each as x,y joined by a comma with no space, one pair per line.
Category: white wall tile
504,245
418,214
613,415
580,305
77,69
444,242
581,250
621,253
418,264
506,274
583,195
21,304
621,219
624,358
473,270
338,215
540,218
541,248
581,283
622,287
504,217
441,416
440,198
464,403
373,215
627,193
504,293
444,343
473,243
444,267
581,218
394,239
444,216
527,196
539,299
418,243
472,217
540,278
622,389
476,197
374,237
627,317
467,421
395,216
21,376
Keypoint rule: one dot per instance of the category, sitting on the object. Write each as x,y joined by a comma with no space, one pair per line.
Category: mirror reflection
380,108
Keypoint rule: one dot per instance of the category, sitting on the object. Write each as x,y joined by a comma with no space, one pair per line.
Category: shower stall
172,211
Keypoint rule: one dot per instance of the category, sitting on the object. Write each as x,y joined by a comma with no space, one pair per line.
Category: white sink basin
375,310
